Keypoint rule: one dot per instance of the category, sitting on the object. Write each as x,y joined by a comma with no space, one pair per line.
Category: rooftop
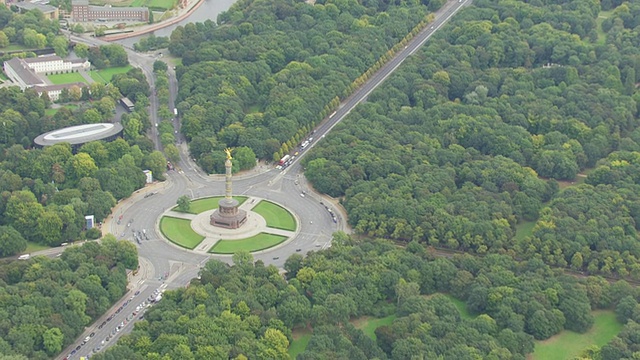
59,86
30,6
79,134
40,59
26,74
115,9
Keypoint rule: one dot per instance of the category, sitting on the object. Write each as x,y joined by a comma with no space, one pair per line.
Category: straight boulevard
167,266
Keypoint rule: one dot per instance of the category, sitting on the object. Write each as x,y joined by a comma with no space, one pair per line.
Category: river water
208,10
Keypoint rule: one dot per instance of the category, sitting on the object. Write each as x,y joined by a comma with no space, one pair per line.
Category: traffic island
179,232
268,225
255,243
275,215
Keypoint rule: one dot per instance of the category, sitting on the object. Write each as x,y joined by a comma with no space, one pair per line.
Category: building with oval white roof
80,134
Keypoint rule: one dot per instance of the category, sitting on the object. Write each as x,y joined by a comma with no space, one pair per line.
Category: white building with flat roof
30,72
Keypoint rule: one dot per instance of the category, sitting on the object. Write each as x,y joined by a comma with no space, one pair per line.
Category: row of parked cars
139,310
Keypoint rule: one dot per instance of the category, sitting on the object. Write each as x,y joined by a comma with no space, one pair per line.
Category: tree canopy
46,303
465,141
262,78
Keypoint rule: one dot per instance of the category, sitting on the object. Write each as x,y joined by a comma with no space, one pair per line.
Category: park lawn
257,242
461,306
524,229
137,3
602,16
200,205
369,325
179,232
300,341
104,75
33,247
51,112
162,4
275,215
67,78
14,47
568,345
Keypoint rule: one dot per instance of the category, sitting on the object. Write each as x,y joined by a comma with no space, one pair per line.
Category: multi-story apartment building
81,11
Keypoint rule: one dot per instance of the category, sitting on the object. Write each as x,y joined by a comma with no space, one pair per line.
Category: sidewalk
86,76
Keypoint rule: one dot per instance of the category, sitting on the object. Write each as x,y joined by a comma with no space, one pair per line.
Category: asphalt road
166,265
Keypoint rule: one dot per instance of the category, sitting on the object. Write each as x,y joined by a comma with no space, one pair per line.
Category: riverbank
153,27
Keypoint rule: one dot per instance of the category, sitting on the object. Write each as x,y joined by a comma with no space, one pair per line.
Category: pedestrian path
86,76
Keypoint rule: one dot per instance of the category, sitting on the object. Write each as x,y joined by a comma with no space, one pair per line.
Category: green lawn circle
254,243
179,231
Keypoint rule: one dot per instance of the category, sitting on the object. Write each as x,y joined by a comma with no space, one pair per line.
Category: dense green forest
248,310
457,147
46,303
263,77
45,193
30,30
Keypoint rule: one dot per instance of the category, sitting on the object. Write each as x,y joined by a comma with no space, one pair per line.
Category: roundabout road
165,265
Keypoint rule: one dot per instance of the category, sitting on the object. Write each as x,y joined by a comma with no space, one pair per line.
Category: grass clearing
461,306
210,203
51,112
369,325
104,75
300,341
255,243
524,229
163,4
67,78
179,232
568,344
602,16
14,47
275,215
33,247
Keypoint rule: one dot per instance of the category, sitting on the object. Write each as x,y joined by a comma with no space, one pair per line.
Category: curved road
164,265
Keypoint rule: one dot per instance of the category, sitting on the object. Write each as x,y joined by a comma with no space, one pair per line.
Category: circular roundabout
267,225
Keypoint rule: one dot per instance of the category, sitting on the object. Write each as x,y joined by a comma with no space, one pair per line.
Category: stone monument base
228,215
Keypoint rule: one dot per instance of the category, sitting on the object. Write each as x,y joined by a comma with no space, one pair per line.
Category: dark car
79,347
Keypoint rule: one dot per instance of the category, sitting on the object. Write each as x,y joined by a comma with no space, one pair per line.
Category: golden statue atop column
228,215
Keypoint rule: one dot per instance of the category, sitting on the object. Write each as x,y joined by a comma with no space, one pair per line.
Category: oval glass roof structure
79,134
